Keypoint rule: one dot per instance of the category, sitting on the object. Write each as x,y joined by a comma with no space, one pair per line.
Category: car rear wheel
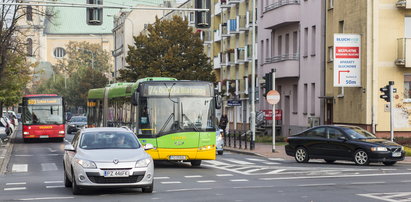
329,160
67,182
220,152
301,155
389,163
361,158
148,189
196,163
75,188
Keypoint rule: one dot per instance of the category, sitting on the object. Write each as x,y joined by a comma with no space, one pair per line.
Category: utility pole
252,114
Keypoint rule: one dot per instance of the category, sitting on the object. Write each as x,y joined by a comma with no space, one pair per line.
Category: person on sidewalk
223,123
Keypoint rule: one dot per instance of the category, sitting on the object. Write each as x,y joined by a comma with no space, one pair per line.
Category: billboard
347,60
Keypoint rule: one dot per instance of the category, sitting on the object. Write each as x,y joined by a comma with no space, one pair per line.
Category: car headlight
377,149
143,163
220,137
86,164
72,125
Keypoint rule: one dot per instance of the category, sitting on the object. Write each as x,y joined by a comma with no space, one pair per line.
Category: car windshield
358,133
109,140
78,119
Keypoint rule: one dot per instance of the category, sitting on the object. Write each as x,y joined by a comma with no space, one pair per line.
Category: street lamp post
252,114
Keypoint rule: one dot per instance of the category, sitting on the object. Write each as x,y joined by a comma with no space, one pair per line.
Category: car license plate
44,136
116,173
177,157
396,154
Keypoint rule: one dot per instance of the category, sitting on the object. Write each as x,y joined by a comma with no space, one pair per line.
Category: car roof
106,129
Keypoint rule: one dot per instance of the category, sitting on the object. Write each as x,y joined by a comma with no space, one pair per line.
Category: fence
238,139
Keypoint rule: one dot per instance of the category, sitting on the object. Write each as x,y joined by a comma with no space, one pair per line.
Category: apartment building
384,30
290,40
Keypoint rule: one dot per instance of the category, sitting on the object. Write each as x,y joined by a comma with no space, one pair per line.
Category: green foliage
14,79
169,49
75,75
407,151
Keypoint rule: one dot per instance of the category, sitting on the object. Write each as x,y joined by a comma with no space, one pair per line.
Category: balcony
282,12
217,8
217,62
217,35
224,59
234,1
403,4
233,26
244,23
287,65
240,55
404,53
225,4
205,36
224,30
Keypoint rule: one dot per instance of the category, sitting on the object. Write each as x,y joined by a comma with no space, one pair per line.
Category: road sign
347,60
273,97
268,114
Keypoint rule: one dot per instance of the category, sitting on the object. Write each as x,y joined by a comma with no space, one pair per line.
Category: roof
70,20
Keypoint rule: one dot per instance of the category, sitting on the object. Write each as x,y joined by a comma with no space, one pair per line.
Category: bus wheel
196,163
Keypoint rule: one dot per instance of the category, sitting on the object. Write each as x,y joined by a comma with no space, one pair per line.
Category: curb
245,152
9,148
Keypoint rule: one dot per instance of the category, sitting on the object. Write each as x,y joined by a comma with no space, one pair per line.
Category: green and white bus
177,117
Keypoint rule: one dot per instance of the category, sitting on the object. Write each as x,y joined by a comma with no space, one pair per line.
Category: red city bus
43,117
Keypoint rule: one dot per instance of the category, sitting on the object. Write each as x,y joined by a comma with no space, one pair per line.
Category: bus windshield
162,115
43,114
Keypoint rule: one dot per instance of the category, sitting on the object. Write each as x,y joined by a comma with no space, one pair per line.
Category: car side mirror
148,146
342,138
69,147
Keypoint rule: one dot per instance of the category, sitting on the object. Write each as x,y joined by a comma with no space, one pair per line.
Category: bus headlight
61,132
26,133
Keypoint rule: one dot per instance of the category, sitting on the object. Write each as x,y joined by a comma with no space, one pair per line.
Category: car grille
394,149
113,180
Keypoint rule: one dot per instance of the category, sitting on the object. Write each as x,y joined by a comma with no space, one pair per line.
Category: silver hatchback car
107,157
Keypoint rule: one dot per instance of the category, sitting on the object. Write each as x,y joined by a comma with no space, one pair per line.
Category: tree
75,75
169,49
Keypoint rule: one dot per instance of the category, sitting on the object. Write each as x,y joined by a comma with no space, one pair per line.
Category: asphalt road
35,173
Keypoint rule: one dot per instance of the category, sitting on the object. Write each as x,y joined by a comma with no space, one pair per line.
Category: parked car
76,123
343,142
5,124
3,134
220,141
11,126
13,118
107,157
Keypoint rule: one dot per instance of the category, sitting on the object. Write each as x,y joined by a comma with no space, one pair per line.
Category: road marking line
364,183
239,162
277,159
315,185
194,189
224,175
161,178
406,181
57,186
52,150
18,168
45,198
193,176
386,196
271,163
387,169
171,182
206,181
14,188
217,163
276,171
335,176
254,170
253,187
48,167
53,154
253,159
16,183
23,155
52,182
239,180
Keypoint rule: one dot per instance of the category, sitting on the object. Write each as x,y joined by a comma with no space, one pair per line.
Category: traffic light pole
391,89
273,113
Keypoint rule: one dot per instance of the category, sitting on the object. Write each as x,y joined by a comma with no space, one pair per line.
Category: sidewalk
265,150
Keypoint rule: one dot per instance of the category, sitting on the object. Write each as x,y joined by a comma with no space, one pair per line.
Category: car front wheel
148,189
361,158
75,188
67,182
301,155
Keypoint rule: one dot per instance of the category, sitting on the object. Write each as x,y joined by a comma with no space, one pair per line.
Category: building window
267,48
305,42
295,42
330,53
295,99
407,88
287,44
29,47
272,43
29,13
59,52
262,51
280,45
191,17
313,41
305,98
330,4
341,26
312,99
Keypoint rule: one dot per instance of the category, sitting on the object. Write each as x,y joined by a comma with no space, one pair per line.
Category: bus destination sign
44,101
157,90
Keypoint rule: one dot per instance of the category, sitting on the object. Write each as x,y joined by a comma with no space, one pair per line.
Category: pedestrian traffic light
268,83
202,18
387,95
94,15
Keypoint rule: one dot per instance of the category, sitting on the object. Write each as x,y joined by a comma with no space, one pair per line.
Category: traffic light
202,18
387,95
268,82
94,14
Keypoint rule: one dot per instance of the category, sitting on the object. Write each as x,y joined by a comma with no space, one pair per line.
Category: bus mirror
20,108
218,102
134,98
